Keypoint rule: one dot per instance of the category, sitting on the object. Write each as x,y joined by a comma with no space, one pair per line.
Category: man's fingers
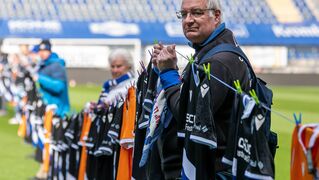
158,46
157,51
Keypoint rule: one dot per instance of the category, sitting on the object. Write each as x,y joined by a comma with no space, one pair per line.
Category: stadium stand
237,11
240,11
93,10
293,24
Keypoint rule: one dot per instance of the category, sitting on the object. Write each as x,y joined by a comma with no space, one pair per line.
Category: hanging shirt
72,138
261,163
84,134
300,148
124,171
141,88
48,127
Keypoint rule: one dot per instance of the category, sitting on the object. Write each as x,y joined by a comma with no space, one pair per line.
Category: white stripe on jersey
314,137
257,176
227,161
201,140
188,168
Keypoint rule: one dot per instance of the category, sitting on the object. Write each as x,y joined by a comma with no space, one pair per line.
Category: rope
233,89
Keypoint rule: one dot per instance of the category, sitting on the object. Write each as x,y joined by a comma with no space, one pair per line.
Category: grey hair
215,4
123,53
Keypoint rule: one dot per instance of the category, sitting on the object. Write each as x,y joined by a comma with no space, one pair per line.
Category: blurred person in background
16,86
24,54
3,62
121,63
52,78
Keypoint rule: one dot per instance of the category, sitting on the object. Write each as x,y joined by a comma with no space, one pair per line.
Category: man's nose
189,18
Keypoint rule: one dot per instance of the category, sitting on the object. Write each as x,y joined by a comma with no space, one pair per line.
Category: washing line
233,89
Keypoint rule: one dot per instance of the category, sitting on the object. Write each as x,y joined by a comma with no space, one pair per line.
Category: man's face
24,49
197,29
119,67
44,54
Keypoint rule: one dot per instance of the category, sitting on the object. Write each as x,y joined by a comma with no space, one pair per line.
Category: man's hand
157,49
166,59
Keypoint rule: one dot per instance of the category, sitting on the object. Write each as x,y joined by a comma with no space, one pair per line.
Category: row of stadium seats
236,11
248,12
314,7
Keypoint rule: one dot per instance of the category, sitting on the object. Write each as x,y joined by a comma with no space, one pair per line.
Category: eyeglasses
196,13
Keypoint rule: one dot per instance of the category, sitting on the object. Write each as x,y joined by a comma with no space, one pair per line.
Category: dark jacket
53,83
228,68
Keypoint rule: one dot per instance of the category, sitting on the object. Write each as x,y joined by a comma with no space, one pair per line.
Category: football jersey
48,128
127,136
139,172
261,162
148,99
84,134
105,148
247,150
72,136
300,149
22,130
199,142
90,143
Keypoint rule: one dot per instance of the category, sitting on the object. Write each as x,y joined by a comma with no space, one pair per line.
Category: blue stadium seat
304,9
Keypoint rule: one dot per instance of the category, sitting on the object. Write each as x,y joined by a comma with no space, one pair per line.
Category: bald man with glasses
201,105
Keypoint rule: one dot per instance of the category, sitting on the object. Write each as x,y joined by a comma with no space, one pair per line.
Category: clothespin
238,87
207,70
254,95
297,120
191,59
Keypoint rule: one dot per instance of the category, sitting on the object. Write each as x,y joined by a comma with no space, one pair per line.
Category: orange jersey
84,133
300,144
124,170
22,131
48,116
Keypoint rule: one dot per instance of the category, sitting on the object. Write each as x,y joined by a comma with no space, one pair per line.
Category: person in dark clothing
202,105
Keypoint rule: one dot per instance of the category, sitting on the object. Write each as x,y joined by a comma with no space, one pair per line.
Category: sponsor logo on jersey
244,144
244,149
190,120
259,120
204,89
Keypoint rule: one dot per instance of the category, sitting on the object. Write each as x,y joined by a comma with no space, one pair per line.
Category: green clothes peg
254,95
238,87
207,70
191,59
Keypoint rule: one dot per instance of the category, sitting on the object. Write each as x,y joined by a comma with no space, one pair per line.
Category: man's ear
217,15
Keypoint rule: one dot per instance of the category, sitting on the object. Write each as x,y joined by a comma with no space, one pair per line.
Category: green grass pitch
16,163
